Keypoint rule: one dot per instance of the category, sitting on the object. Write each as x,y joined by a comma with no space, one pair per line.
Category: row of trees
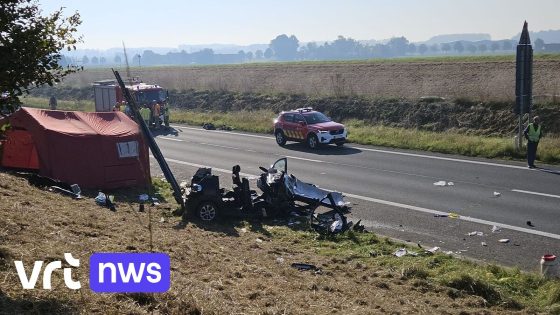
288,48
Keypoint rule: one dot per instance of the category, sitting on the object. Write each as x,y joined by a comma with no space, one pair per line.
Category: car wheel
339,144
280,138
207,211
312,141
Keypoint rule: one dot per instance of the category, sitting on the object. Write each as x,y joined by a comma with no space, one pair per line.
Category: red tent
94,150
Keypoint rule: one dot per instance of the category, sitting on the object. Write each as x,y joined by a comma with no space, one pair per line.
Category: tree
539,44
399,45
259,54
507,45
482,48
471,48
85,60
494,46
412,48
268,53
118,59
434,48
94,60
31,46
422,49
102,60
458,47
284,47
445,47
249,55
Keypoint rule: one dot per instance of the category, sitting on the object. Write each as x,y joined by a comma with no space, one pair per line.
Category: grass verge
241,266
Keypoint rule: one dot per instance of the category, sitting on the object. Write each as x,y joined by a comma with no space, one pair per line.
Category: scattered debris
549,266
75,191
208,126
504,240
258,240
529,223
243,230
483,244
448,252
433,250
453,215
105,201
477,233
162,220
358,227
440,215
305,267
280,260
450,184
497,194
373,254
143,198
496,229
400,252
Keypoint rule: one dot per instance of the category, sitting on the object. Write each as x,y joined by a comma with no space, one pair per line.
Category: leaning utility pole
151,142
523,80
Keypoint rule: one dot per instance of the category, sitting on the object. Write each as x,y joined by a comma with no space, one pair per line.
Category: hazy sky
169,23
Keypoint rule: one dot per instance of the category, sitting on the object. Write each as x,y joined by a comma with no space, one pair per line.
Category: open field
222,268
482,78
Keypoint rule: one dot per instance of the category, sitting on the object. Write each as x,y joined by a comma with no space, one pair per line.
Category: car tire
280,138
339,144
312,141
207,211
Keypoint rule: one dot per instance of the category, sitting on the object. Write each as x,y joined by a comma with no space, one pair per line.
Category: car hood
331,125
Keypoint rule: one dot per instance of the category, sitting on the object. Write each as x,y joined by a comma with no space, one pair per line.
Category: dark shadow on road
165,131
322,150
547,170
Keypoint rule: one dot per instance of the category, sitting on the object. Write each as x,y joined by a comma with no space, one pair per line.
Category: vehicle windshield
315,118
150,95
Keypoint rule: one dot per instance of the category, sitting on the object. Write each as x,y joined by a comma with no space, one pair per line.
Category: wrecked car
281,194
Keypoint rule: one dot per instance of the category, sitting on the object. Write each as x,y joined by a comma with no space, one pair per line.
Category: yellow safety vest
534,135
145,113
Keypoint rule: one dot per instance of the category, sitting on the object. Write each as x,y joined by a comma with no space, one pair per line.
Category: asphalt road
393,191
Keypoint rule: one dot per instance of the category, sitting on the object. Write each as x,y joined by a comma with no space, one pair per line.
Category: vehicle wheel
312,141
340,144
280,138
207,211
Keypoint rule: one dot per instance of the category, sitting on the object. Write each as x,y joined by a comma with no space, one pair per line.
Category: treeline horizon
288,48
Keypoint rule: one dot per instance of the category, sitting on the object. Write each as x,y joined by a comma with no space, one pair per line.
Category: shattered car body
282,194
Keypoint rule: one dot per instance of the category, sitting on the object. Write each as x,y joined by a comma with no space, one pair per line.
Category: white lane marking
172,139
225,132
378,150
249,150
304,159
535,193
464,218
219,146
443,158
402,205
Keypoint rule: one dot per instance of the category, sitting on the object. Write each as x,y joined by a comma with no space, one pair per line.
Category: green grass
362,132
75,105
499,286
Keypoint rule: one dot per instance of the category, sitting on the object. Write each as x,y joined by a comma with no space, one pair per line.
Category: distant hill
550,36
448,38
224,48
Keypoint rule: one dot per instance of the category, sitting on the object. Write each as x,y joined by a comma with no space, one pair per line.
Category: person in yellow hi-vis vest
166,115
145,113
533,134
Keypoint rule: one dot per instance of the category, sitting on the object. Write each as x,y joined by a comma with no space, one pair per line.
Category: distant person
52,103
127,109
166,115
533,134
157,113
145,113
